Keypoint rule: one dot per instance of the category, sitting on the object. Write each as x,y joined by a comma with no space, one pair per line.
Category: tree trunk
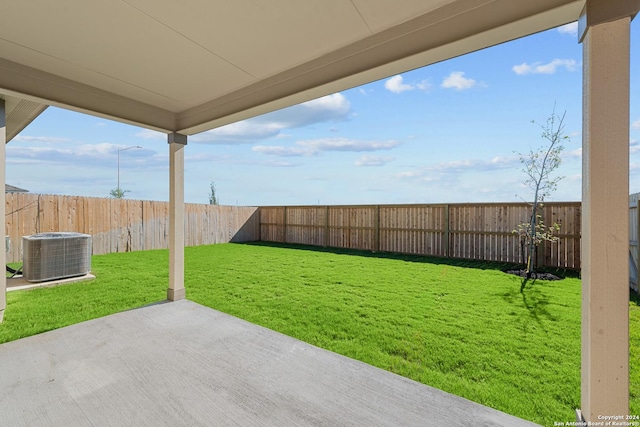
532,237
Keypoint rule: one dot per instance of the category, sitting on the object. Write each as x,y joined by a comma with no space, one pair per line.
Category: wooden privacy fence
122,225
470,231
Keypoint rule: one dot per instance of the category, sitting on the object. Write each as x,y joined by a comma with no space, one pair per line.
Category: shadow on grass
523,284
455,262
533,299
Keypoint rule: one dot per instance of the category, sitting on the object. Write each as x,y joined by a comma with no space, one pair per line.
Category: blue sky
445,133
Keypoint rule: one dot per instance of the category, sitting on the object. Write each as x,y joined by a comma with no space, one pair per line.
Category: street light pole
119,150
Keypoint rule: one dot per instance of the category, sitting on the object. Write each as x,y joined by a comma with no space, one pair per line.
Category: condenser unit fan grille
50,256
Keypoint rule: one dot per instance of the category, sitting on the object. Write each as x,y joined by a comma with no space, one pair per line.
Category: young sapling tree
539,166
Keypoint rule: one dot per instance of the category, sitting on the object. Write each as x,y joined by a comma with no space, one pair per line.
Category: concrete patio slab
183,364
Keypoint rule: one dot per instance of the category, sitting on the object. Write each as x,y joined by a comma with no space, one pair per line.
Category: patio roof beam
605,34
48,89
176,290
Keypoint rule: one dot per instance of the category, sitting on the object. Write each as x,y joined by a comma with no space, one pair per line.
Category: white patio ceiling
194,65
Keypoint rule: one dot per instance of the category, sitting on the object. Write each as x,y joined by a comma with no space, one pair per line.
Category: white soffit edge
18,114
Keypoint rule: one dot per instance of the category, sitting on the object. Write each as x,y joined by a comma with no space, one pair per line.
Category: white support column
604,30
177,143
3,254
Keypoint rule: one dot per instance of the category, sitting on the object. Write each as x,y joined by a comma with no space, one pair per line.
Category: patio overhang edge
455,29
420,42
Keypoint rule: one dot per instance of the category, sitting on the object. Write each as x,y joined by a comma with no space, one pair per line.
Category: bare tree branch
538,166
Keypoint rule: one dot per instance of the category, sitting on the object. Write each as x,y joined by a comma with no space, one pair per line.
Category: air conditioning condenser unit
50,256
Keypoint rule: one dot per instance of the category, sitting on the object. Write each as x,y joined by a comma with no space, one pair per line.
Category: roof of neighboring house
13,189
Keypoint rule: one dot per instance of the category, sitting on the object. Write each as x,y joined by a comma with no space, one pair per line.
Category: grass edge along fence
475,231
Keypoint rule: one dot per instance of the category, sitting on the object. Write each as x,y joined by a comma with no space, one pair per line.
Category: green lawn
462,327
123,281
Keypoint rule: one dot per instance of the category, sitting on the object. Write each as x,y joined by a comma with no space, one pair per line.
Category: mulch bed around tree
534,276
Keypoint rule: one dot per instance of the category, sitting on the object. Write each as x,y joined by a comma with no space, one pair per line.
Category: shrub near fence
123,225
469,231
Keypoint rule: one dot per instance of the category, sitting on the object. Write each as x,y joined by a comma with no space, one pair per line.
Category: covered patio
183,364
203,64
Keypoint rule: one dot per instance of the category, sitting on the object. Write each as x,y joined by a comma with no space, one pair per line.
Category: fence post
376,233
326,226
284,224
259,212
447,247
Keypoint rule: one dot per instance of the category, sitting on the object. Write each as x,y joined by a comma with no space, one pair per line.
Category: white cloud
345,144
280,164
636,124
281,151
573,154
499,162
329,108
571,29
99,149
68,152
313,147
522,69
439,170
548,68
396,85
424,85
151,134
44,139
44,154
246,131
368,160
205,157
336,105
457,80
410,174
85,154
